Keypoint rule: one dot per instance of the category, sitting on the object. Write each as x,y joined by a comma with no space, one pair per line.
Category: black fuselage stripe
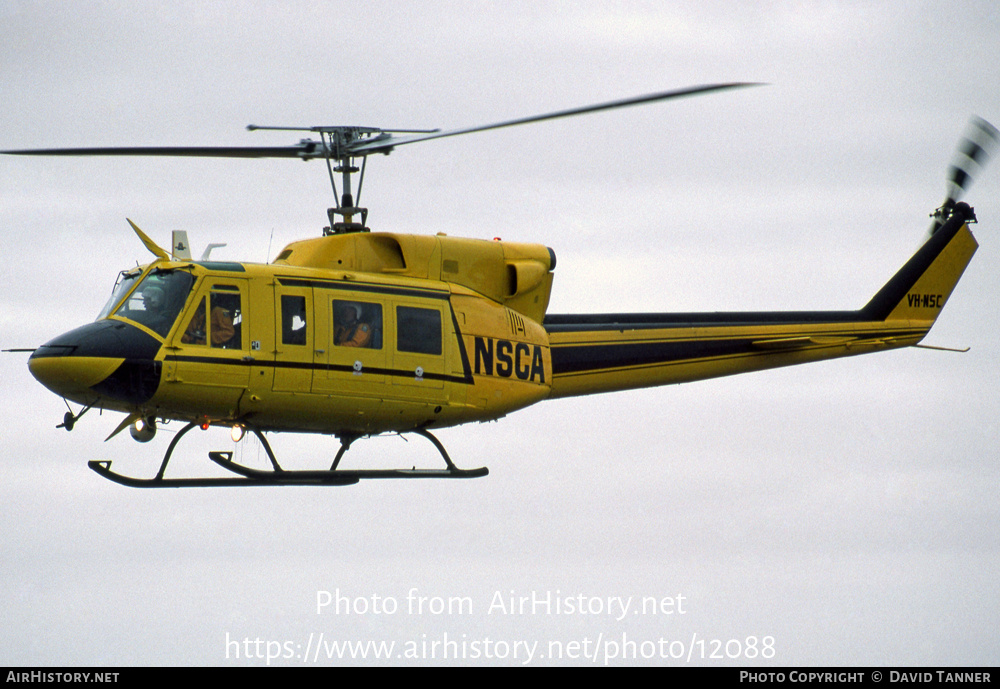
301,365
364,287
597,357
570,323
463,353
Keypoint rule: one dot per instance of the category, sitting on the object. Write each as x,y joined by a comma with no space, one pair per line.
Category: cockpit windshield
126,279
156,301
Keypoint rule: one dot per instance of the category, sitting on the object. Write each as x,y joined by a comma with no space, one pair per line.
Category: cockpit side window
224,326
227,319
157,300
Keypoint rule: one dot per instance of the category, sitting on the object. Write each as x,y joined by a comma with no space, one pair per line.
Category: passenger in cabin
350,330
222,327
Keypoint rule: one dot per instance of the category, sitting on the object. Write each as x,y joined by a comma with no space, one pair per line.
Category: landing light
236,433
143,430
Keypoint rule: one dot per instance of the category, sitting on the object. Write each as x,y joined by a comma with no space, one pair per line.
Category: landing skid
340,476
245,476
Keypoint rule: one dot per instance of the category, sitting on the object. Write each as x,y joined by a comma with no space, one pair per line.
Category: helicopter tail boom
607,352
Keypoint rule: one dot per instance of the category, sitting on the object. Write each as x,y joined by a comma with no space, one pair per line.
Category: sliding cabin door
349,352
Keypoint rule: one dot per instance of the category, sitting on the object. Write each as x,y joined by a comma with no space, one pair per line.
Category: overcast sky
846,511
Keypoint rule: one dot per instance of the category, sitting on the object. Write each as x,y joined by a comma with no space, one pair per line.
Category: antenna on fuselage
182,247
208,250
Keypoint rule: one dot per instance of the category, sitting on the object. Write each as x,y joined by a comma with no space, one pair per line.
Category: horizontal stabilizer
795,342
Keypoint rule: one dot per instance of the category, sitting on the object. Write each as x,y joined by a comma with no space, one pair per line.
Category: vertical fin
180,245
922,286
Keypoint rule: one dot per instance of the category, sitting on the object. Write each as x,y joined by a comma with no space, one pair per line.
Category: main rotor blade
386,144
309,150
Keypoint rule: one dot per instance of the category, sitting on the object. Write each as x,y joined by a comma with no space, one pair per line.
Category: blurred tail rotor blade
973,152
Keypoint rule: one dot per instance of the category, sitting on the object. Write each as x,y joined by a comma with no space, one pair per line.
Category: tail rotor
973,152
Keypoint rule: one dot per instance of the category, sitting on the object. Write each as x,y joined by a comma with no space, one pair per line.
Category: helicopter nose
106,359
71,376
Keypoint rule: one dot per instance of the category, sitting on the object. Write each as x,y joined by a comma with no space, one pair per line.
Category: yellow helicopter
357,333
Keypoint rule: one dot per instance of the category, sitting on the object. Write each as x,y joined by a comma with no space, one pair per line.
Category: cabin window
157,300
418,330
293,320
357,324
223,328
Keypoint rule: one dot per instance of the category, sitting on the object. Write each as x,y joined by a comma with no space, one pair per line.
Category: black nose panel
105,338
136,379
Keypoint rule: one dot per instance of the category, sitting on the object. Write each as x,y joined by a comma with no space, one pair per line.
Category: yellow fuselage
364,338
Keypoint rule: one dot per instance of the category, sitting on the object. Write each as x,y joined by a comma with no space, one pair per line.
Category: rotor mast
334,140
337,147
337,142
